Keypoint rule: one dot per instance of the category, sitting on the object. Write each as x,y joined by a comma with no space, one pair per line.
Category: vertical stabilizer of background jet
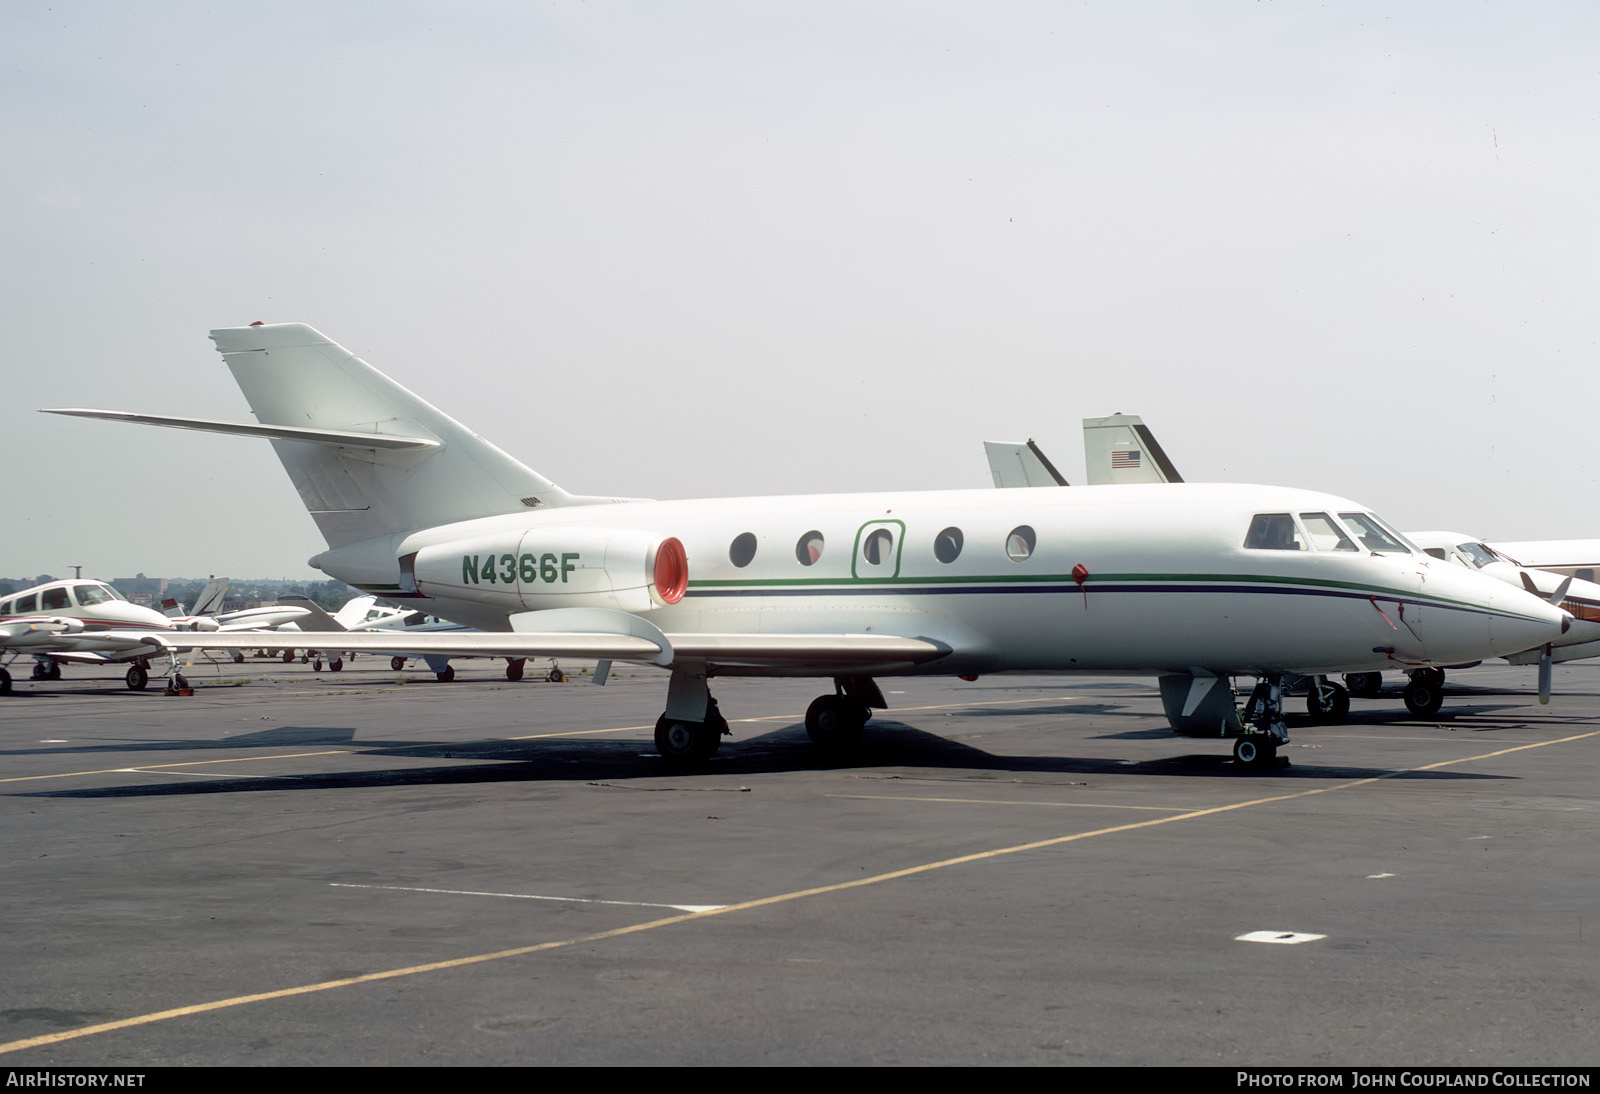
1020,463
1119,449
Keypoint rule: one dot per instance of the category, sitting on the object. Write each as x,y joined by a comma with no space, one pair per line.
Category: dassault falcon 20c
1181,582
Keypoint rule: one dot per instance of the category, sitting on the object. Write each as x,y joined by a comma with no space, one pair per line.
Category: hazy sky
674,249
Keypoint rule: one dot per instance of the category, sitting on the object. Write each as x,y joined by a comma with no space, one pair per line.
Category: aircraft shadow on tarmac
888,744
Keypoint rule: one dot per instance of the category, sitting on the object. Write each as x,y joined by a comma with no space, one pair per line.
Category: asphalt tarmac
291,867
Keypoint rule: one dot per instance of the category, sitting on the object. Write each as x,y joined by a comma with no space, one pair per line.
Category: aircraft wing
773,653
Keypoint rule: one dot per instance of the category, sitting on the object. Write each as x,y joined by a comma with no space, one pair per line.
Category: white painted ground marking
194,774
1282,938
54,741
1373,877
531,896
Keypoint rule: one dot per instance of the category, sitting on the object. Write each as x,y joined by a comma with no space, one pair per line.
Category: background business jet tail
368,457
1119,449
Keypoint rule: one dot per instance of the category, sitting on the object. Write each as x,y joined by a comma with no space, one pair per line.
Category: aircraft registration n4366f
1179,581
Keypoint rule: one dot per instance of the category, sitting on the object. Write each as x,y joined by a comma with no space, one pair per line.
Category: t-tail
371,460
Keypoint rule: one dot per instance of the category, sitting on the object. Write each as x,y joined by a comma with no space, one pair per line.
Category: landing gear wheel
1364,685
288,657
238,658
1423,700
1327,703
138,676
316,666
447,675
555,675
397,663
336,664
5,682
39,672
177,685
681,742
515,667
834,722
1255,751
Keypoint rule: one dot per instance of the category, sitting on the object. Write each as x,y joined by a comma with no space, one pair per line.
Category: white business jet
1189,583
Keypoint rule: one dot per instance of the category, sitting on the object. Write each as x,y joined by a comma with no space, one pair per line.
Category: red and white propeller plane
1182,582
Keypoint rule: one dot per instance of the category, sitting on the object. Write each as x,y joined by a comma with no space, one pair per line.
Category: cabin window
1273,532
743,549
1373,534
1020,543
29,603
947,545
878,547
6,606
1436,552
809,549
1325,534
53,600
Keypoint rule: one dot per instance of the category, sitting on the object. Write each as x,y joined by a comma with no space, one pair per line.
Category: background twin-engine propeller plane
82,621
1176,581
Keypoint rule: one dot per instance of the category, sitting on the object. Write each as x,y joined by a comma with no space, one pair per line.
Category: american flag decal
1125,458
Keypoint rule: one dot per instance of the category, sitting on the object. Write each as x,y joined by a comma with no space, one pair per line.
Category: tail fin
1119,449
1020,464
295,376
210,600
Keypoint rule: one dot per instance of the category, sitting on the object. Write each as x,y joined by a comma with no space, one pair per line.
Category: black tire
555,675
53,671
1423,700
180,681
515,667
835,722
1255,751
1334,708
288,656
680,742
1364,685
316,666
447,675
336,665
238,658
397,663
138,678
5,682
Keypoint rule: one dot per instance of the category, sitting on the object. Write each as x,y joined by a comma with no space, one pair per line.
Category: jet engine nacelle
530,569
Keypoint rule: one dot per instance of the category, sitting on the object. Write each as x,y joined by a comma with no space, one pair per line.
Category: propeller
1554,598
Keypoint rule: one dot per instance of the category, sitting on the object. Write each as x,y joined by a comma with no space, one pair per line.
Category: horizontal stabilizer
338,438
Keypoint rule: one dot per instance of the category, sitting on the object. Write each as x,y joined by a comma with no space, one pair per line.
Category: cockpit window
1477,553
1325,534
1375,535
91,594
1273,532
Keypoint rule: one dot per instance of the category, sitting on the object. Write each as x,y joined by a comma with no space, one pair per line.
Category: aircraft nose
1520,621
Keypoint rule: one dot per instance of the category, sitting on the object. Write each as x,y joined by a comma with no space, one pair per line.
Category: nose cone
1520,621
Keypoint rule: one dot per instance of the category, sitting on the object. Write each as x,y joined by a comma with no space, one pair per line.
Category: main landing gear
691,729
1326,701
46,669
1424,695
1264,730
